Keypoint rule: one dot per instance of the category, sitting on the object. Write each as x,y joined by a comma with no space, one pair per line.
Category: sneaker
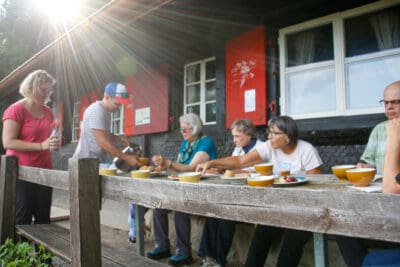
158,253
209,263
132,239
180,259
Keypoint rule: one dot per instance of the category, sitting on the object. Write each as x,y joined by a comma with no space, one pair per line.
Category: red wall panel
149,88
246,92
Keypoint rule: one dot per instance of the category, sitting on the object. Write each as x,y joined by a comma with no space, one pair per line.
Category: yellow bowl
264,168
108,171
144,161
340,171
189,177
261,180
361,177
140,174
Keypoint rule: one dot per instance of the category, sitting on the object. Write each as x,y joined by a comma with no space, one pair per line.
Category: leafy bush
22,254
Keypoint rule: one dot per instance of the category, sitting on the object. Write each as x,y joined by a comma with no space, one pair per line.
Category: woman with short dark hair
217,234
287,153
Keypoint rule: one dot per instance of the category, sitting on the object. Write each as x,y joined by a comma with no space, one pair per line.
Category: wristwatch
398,178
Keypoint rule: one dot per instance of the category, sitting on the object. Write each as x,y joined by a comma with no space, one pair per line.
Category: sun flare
59,10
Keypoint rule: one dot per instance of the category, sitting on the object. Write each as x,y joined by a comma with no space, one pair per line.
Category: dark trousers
33,200
352,249
216,239
182,229
291,250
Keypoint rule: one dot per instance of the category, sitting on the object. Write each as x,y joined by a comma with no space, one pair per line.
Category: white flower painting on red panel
243,71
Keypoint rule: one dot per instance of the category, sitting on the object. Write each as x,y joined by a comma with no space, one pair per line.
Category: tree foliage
23,32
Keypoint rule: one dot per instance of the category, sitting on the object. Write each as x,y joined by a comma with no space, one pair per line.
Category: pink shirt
32,130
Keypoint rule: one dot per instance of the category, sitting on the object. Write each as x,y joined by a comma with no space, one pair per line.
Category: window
200,91
75,122
339,65
117,121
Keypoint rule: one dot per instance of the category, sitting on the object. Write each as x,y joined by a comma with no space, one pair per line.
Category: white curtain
304,44
386,27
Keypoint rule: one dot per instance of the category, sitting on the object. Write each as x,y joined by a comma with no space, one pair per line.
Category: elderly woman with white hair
195,148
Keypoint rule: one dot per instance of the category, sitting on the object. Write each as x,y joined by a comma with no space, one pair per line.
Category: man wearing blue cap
96,140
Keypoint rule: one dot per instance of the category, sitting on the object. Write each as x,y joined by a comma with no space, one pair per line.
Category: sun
59,10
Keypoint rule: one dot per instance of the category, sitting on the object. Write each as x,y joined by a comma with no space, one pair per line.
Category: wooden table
324,205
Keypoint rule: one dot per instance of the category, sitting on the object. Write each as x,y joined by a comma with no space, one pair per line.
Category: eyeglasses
394,102
46,90
185,130
269,132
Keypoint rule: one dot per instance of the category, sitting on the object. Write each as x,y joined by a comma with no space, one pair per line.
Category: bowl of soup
264,168
140,174
340,171
361,177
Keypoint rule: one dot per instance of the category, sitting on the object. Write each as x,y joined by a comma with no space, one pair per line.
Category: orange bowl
144,161
108,171
140,174
340,171
261,180
264,168
361,177
189,177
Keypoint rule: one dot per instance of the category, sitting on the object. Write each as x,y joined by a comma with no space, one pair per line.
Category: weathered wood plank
140,210
323,206
126,257
56,240
53,237
8,195
84,212
51,178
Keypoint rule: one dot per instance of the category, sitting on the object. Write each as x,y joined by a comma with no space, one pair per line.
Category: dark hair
287,125
245,126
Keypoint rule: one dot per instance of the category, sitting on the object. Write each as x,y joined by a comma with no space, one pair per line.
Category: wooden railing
81,245
322,206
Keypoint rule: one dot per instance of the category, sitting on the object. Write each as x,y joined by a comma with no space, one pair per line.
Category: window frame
202,82
120,118
339,61
75,118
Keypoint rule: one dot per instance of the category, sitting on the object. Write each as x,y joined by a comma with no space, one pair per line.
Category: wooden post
320,250
139,217
8,196
84,212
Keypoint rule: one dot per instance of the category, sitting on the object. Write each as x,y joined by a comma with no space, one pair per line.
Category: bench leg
139,217
320,250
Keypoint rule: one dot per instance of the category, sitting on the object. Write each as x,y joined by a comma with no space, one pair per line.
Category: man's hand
364,165
123,140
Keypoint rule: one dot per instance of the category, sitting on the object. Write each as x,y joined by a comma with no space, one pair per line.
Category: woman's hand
54,143
203,167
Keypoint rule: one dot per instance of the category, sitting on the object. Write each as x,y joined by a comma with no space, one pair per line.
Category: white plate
300,180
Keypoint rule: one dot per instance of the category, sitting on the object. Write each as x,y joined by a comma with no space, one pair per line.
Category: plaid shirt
374,153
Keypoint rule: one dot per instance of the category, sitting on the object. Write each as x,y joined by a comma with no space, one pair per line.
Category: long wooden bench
81,245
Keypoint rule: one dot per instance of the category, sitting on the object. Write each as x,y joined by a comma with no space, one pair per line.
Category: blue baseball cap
118,91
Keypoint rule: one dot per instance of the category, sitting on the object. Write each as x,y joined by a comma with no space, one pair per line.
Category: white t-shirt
94,117
238,151
304,158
